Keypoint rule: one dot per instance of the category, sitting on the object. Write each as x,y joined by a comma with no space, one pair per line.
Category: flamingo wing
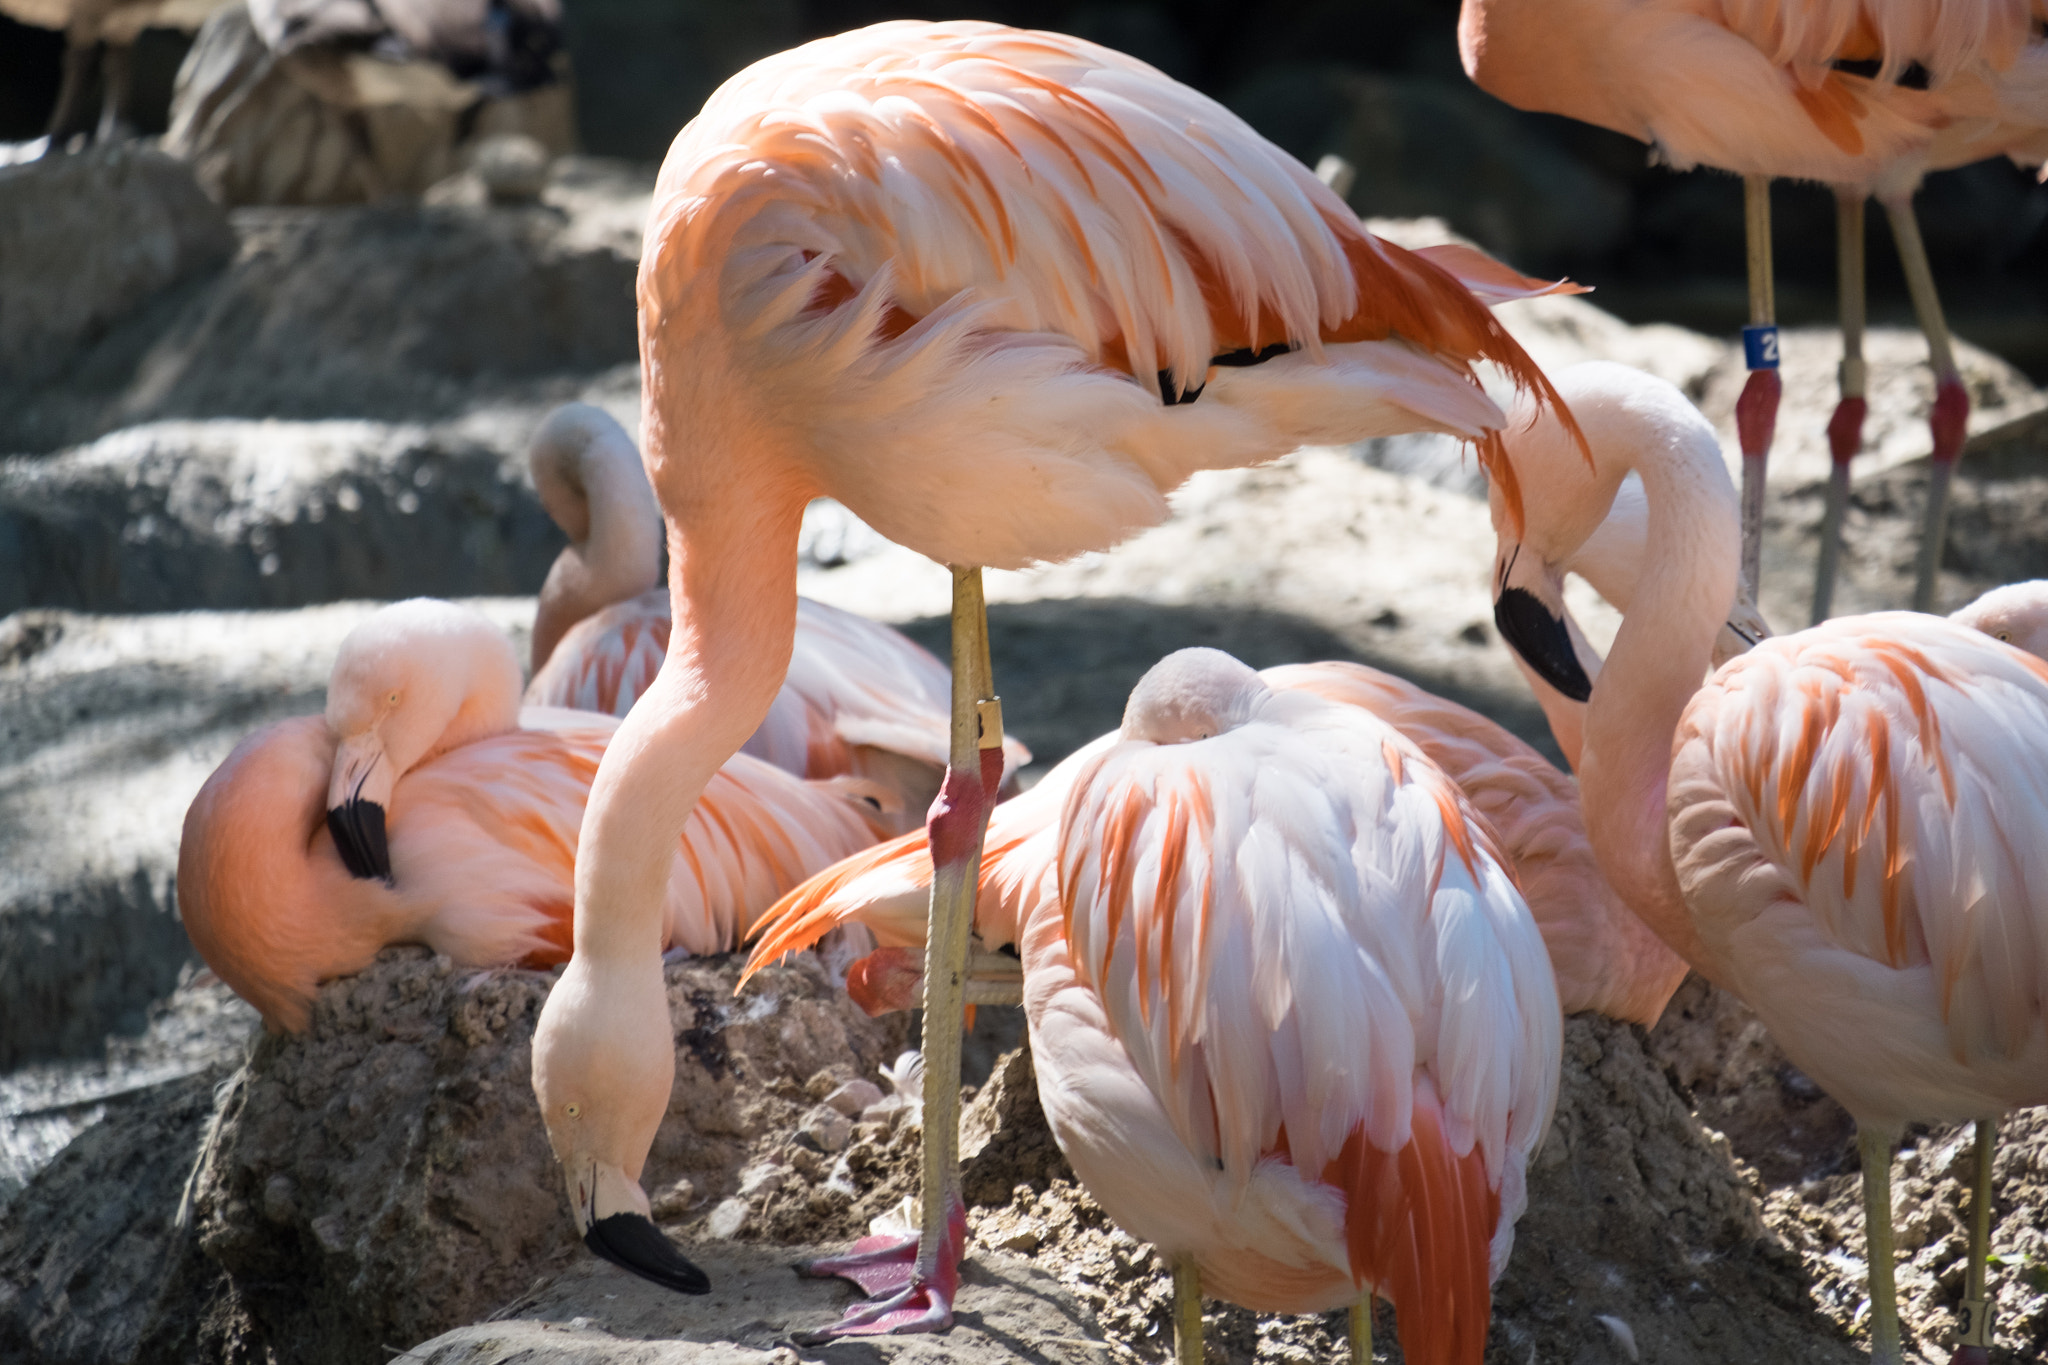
605,661
1605,957
1853,815
1014,260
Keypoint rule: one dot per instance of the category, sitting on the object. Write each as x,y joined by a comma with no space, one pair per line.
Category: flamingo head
603,1065
1565,500
414,679
1192,694
2016,613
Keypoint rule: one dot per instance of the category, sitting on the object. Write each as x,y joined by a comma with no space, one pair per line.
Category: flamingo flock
1294,947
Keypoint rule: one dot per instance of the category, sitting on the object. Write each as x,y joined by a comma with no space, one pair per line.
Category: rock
93,1269
1008,1311
174,515
107,729
854,1097
85,240
513,167
387,311
826,1128
423,1192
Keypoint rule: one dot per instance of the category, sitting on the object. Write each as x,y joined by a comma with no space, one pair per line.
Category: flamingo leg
913,1279
1949,420
1973,1314
1756,411
1845,428
1187,1312
1361,1331
1875,1144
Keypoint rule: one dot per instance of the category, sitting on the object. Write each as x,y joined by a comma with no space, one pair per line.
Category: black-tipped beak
630,1241
1542,640
358,830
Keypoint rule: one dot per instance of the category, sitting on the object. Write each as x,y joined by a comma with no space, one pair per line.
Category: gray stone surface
178,514
386,311
86,239
1008,1310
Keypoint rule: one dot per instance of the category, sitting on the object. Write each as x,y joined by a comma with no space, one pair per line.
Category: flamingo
860,698
2016,613
1837,827
1865,95
1291,1021
998,292
283,883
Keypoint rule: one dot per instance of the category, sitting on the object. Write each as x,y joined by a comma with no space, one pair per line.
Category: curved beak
1528,610
357,797
612,1216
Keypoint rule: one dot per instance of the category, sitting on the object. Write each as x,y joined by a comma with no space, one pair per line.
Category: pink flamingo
997,292
286,879
1836,826
859,699
1291,1022
1865,95
2016,613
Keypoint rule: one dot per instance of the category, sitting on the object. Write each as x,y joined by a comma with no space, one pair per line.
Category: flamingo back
1304,938
1856,804
1013,261
1605,957
606,660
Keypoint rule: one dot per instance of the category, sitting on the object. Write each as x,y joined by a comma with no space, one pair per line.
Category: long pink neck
732,585
1662,651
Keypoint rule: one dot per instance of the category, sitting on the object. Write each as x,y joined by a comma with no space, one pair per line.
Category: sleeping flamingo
998,292
859,698
1291,1021
1838,827
286,879
2016,613
1865,95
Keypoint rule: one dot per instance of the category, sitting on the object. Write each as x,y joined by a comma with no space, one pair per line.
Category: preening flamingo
1840,826
998,292
1291,1021
1865,95
484,801
859,699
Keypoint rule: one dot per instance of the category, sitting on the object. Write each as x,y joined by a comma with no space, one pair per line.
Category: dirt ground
1697,1201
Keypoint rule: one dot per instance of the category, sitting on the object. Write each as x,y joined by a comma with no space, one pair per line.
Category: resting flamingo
286,878
1865,95
2016,613
1292,1023
998,292
1839,826
860,698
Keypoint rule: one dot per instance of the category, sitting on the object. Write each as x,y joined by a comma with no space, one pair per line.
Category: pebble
855,1097
827,1128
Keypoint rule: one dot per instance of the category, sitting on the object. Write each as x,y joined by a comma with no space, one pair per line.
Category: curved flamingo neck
1659,656
598,495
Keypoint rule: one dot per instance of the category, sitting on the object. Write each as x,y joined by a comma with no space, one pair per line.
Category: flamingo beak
356,800
1528,610
612,1216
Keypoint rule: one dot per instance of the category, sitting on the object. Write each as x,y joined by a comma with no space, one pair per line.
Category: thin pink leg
912,1280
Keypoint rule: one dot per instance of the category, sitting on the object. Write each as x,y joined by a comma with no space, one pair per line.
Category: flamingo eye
394,699
2004,635
573,1110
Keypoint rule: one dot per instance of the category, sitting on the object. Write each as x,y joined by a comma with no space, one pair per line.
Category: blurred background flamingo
1865,95
860,698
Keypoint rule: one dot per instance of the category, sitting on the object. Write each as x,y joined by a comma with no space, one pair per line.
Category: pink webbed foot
901,1298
